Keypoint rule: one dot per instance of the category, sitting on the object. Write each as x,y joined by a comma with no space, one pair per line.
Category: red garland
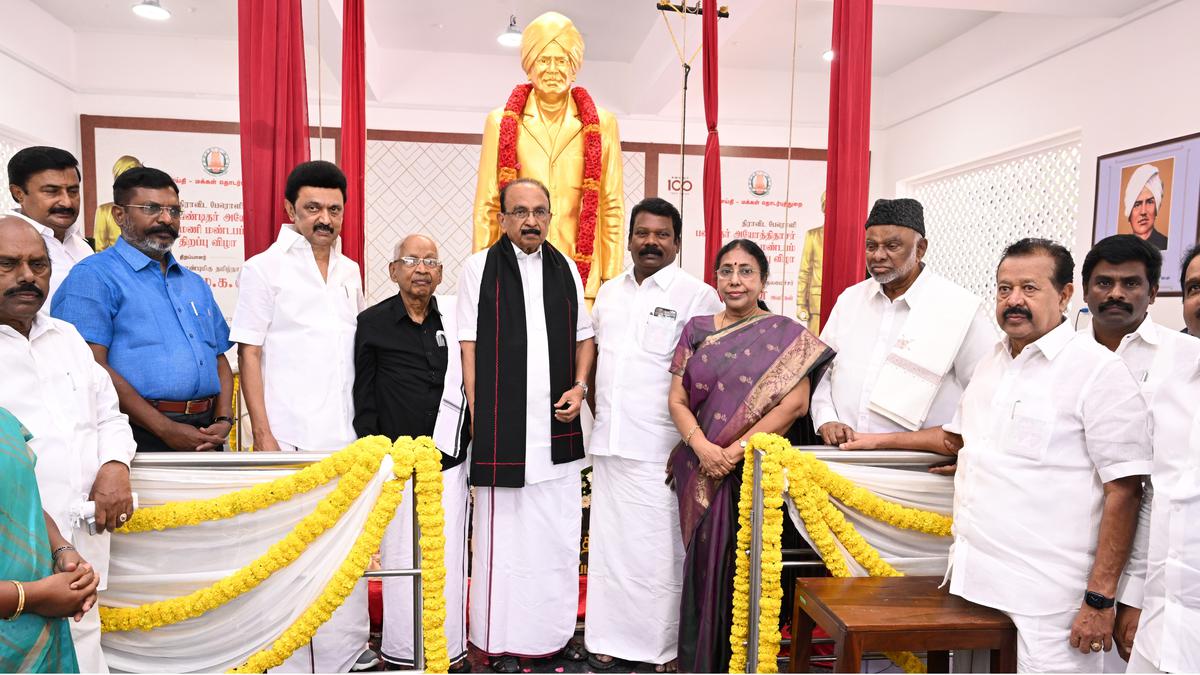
508,169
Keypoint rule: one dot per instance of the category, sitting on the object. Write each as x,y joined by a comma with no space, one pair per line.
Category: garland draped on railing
355,466
811,484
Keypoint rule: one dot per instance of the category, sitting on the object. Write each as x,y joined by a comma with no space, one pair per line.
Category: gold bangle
687,440
20,600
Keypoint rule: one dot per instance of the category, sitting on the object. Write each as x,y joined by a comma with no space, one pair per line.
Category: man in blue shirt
153,324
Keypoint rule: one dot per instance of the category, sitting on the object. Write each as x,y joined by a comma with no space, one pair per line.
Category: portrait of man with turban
552,132
1143,197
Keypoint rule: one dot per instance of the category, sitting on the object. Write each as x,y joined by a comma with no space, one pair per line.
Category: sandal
506,664
671,666
598,662
463,665
574,651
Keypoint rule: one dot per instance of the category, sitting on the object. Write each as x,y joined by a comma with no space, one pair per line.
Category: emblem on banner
215,161
759,183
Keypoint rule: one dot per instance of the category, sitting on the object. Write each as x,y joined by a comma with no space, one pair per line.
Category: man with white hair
1143,196
907,340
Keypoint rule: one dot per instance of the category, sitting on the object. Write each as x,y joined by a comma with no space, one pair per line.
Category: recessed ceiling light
828,55
511,37
150,9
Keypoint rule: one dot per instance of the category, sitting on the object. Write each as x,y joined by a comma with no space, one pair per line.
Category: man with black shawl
527,347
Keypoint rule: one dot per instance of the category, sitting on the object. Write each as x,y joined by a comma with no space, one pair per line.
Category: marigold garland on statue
508,169
811,484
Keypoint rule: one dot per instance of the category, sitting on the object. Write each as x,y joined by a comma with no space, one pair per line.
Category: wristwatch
1098,601
582,385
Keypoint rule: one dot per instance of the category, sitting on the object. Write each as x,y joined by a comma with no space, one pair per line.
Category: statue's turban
547,28
1145,176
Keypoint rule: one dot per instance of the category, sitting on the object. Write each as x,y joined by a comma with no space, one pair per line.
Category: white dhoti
86,636
397,550
525,567
635,562
1043,645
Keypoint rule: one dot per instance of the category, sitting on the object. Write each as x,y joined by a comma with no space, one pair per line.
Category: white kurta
305,325
635,555
1043,432
863,328
525,546
54,386
63,254
1168,634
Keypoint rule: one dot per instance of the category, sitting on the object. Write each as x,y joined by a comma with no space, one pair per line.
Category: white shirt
305,325
63,254
54,386
637,329
862,329
538,465
1168,633
1042,433
1151,353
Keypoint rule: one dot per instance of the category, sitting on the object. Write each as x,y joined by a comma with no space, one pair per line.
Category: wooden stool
896,614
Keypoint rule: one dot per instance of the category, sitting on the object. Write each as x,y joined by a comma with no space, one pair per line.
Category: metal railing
296,460
892,459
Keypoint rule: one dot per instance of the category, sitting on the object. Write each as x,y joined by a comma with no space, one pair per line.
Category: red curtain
848,170
274,112
354,130
712,148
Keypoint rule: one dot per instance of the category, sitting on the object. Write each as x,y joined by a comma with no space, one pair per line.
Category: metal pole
418,583
756,544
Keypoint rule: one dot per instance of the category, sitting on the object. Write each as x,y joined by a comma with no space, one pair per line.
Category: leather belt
185,407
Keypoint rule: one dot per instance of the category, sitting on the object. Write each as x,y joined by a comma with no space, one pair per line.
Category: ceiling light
828,55
511,37
150,9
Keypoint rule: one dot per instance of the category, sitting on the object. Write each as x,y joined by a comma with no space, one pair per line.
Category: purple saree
733,378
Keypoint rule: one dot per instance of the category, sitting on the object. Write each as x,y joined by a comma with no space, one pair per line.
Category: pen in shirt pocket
193,304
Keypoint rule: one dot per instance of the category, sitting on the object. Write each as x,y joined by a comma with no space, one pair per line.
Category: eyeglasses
521,213
409,261
152,210
745,272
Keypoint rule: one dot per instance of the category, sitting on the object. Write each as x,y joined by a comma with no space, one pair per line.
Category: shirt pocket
1028,432
345,298
660,335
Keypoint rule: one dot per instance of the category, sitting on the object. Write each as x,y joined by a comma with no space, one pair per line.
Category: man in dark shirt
408,382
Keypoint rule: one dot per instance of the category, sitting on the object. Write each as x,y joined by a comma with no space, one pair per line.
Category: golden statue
554,133
808,285
104,228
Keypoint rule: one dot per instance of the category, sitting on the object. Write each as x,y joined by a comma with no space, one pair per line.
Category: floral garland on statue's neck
508,168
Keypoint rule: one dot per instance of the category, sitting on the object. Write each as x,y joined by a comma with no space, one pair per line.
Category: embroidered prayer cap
547,28
903,212
1144,177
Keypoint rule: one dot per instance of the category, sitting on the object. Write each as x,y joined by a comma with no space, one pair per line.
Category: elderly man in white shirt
1056,444
298,305
67,401
527,349
635,554
907,340
44,181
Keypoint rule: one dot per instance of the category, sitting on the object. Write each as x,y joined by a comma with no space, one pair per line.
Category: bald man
82,440
408,382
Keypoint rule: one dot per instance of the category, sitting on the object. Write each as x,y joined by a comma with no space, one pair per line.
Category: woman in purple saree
737,373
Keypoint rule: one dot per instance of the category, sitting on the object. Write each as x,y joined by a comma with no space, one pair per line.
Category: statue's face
552,73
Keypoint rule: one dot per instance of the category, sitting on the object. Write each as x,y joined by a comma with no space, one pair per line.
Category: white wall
1134,85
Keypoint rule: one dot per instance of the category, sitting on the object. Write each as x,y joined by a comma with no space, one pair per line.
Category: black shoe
505,664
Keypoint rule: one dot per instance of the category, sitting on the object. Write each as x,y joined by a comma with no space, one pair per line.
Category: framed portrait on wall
1152,191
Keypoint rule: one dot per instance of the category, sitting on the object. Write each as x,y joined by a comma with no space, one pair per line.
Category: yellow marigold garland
366,453
432,520
342,584
810,483
257,497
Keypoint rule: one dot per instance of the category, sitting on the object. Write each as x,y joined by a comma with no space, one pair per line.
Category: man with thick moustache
1056,443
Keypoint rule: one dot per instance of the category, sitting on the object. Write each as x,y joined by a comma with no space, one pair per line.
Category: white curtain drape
913,553
153,566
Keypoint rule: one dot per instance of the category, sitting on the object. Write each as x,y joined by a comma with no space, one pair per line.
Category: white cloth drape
913,553
152,566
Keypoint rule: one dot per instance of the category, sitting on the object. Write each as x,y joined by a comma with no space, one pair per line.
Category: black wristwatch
1098,601
223,418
